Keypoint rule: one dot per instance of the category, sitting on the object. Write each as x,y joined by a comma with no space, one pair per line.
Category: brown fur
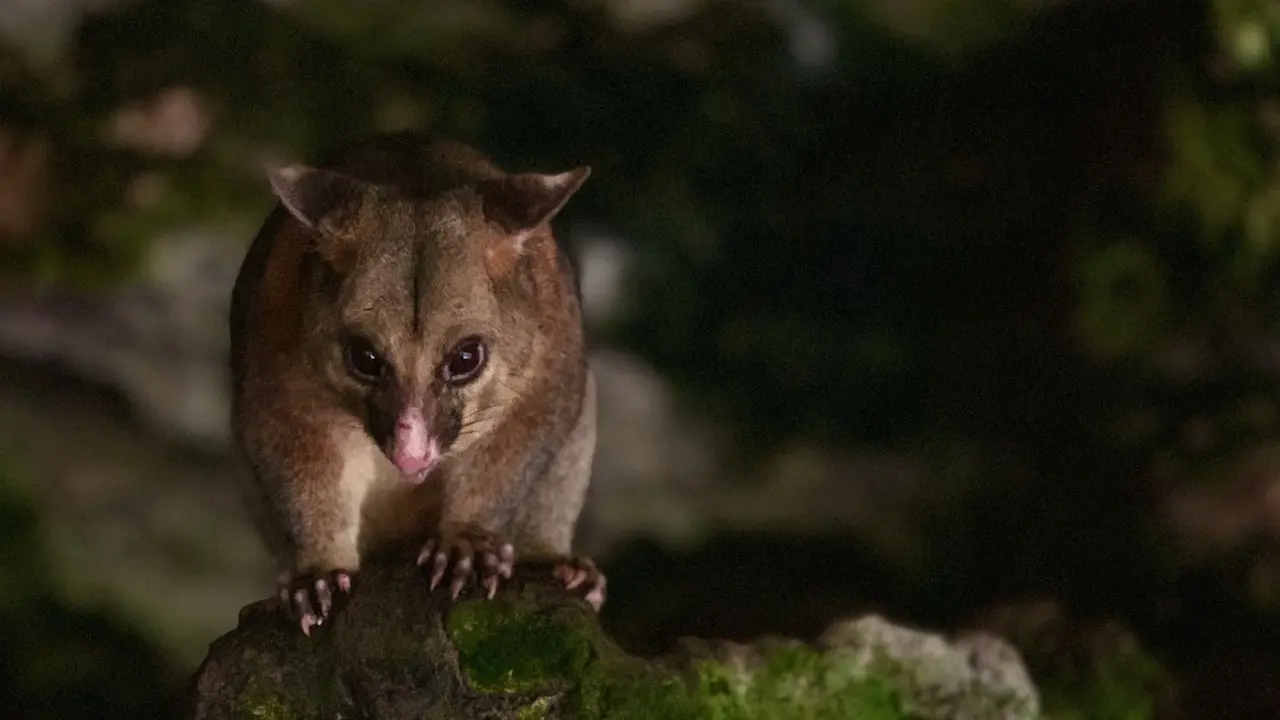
429,243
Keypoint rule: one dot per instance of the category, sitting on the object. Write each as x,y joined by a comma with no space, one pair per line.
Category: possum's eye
363,362
465,362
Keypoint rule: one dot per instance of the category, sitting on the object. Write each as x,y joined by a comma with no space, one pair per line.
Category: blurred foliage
908,217
58,661
919,223
1124,299
1247,30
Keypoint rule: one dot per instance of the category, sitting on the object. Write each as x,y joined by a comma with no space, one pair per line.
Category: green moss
537,710
505,649
794,683
621,687
268,706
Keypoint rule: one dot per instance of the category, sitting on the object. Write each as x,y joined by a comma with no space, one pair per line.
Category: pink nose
412,464
413,447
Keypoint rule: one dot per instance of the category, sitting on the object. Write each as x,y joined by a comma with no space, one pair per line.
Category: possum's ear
321,200
310,194
522,202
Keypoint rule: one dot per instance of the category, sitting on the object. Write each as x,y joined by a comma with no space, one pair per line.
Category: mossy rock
396,650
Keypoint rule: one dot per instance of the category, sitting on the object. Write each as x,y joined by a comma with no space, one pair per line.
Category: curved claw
461,570
309,599
506,560
437,574
428,549
465,555
580,573
324,598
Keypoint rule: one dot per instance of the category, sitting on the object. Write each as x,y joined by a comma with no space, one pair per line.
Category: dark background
964,312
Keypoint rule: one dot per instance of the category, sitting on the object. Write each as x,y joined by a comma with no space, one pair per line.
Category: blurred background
963,311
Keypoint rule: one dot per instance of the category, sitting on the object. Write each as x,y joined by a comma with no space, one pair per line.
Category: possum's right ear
310,194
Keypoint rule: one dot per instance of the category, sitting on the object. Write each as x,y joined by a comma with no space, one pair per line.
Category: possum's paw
580,573
469,550
309,598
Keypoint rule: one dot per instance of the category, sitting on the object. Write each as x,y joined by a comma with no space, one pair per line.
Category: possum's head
428,313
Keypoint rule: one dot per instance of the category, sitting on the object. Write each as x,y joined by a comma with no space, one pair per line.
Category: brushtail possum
409,367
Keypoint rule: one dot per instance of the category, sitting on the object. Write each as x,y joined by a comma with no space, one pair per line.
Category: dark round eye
466,362
363,362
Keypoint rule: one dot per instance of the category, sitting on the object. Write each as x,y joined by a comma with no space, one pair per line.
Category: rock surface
395,650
